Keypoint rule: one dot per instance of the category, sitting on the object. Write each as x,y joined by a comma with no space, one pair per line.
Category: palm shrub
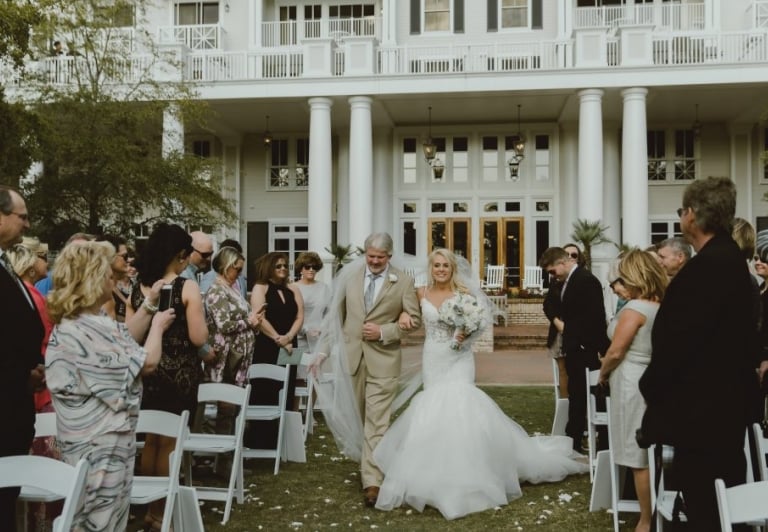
589,233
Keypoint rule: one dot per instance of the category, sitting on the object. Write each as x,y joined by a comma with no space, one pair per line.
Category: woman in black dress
282,321
173,387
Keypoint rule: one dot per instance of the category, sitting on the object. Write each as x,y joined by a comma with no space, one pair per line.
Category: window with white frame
542,157
196,13
490,158
351,10
289,168
290,238
201,148
514,13
671,157
409,219
663,229
409,161
460,160
437,15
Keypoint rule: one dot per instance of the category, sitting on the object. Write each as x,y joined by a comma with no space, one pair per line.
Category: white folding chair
561,404
618,477
745,503
269,412
305,395
150,489
40,476
762,449
45,424
595,418
221,444
662,500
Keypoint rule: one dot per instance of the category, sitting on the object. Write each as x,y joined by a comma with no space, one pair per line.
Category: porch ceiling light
696,127
437,168
267,137
430,148
519,148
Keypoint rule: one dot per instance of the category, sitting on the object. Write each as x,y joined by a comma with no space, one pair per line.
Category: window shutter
415,17
493,15
536,15
458,16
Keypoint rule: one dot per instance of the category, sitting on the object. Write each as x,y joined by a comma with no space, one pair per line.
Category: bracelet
149,307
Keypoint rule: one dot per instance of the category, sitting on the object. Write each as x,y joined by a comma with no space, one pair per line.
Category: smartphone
165,297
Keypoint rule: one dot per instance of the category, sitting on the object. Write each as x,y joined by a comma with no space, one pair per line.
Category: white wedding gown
453,448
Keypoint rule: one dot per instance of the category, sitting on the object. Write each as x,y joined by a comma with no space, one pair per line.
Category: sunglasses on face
680,211
616,281
310,267
757,258
43,256
281,266
551,273
205,255
574,255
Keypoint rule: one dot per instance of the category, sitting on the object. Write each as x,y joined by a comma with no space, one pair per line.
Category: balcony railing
669,49
196,37
292,32
666,17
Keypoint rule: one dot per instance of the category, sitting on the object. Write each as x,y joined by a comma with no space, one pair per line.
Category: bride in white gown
453,448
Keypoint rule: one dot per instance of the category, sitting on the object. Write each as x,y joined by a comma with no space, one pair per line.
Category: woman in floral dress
93,371
232,328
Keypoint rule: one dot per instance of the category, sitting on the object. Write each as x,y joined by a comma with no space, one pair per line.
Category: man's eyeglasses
574,255
43,256
123,256
618,280
281,266
680,211
551,273
310,267
23,216
205,255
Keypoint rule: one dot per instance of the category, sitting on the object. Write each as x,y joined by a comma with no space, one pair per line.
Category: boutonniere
392,278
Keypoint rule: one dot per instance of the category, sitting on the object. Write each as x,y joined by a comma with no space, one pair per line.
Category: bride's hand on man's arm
405,322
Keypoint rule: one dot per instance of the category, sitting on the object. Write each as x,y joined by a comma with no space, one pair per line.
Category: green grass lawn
325,492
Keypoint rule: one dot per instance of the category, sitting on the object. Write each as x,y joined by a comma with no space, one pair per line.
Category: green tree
100,114
588,234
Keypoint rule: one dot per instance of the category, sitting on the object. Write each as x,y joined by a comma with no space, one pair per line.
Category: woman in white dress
641,283
454,449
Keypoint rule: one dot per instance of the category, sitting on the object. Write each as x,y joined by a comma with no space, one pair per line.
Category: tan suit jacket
382,358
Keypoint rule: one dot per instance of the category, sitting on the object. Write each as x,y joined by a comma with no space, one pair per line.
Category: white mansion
485,126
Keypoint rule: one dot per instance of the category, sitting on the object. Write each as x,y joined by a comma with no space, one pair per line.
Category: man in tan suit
373,299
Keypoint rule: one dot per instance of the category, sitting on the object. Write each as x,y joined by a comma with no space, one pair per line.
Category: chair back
533,277
48,474
219,391
744,503
761,443
494,277
45,424
163,423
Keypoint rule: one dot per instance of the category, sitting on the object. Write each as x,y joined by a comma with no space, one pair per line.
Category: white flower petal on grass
564,497
276,508
546,497
548,512
297,524
408,512
319,487
288,491
334,524
531,503
251,485
328,501
367,517
497,508
347,481
374,526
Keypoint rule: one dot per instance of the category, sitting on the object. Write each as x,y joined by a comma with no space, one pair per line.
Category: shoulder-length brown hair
642,275
265,266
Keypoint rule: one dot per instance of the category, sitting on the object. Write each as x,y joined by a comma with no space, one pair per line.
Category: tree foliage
16,21
589,233
100,114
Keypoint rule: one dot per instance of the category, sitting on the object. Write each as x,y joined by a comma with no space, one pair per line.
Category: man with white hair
673,254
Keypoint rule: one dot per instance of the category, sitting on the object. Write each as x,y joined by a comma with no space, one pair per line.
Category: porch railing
291,32
196,37
667,17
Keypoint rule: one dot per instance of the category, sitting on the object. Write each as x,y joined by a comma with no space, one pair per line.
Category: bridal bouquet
465,314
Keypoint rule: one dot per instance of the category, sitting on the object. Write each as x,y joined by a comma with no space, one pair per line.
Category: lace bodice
436,330
441,364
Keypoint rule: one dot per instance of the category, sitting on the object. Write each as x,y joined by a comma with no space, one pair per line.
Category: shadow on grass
325,493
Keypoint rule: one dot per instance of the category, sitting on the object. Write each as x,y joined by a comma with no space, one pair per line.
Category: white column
173,131
566,211
612,182
320,175
590,155
256,9
634,169
388,22
342,191
360,170
382,181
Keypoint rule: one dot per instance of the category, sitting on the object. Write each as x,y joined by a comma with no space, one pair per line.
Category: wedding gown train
453,448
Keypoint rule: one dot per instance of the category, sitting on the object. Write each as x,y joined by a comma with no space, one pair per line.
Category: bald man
200,258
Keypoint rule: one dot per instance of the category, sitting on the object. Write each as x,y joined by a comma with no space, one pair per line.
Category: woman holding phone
173,387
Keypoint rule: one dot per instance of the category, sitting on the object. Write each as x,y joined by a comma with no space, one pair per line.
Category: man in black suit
582,324
21,331
700,387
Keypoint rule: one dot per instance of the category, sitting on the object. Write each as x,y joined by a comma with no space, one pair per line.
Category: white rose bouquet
464,314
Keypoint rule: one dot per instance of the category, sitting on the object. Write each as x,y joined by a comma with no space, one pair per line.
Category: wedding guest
673,254
232,329
641,283
240,283
316,296
702,374
117,307
173,387
45,284
93,368
282,321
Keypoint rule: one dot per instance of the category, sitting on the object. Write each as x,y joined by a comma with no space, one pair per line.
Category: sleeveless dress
627,403
454,449
173,387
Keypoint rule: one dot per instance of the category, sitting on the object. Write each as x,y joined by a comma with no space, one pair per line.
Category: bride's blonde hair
456,284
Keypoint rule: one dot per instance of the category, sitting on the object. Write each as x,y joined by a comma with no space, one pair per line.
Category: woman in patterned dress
93,370
232,328
173,387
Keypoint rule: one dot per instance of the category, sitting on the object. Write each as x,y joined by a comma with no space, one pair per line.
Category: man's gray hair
380,241
679,245
6,199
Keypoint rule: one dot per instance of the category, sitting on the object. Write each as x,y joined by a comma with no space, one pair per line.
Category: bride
453,448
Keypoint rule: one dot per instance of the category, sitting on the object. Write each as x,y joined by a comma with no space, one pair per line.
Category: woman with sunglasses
283,309
316,295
